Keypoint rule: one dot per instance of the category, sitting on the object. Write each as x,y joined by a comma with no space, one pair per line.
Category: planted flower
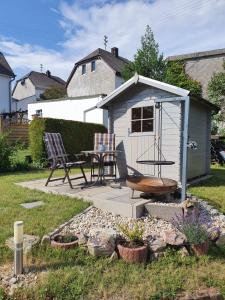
196,229
133,248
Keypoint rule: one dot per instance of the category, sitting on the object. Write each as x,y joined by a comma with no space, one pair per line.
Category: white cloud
180,26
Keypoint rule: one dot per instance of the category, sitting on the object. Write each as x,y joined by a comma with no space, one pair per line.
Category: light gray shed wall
199,131
141,145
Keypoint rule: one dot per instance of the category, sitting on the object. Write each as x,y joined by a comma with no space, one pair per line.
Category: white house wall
69,110
24,91
4,93
100,81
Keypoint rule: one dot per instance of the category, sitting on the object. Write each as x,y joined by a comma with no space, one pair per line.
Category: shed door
141,136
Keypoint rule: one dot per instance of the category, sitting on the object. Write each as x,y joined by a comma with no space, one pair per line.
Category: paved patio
112,199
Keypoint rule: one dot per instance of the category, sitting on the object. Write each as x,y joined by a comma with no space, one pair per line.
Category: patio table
99,156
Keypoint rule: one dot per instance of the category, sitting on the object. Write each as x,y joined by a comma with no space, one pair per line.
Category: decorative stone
183,252
102,243
82,239
174,238
31,205
157,245
221,239
45,240
13,280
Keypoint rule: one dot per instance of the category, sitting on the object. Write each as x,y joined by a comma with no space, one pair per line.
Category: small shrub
6,152
194,226
133,233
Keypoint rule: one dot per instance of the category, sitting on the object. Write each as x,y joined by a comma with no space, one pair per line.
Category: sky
57,33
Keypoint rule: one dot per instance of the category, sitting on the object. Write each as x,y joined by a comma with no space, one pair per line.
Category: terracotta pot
133,255
200,249
61,245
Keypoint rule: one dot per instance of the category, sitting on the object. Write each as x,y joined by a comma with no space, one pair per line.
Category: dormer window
83,69
93,66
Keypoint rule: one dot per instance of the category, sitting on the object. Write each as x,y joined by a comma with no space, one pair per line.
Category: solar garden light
18,244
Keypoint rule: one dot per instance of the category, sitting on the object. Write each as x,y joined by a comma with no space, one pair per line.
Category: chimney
48,73
115,51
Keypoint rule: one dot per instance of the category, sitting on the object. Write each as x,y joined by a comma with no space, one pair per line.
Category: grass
76,275
37,221
213,189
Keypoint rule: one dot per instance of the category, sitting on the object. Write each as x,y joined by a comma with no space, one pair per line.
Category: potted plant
64,241
195,227
132,249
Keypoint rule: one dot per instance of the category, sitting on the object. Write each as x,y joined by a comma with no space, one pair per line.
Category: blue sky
56,33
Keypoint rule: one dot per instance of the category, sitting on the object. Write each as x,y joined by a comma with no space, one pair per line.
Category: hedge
77,136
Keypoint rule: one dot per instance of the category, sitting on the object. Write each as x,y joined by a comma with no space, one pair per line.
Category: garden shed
155,121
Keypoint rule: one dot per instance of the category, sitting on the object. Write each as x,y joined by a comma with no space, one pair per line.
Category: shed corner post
185,148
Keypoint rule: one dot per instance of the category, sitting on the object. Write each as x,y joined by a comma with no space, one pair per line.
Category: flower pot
58,241
133,255
200,249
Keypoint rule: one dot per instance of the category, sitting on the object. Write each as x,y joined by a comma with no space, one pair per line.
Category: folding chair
109,160
59,159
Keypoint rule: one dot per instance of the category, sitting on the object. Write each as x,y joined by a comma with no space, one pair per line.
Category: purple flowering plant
194,225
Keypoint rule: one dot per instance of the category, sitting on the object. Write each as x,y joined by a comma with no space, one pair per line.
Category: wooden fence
16,128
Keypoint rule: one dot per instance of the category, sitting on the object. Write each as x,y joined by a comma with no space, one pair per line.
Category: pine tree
147,61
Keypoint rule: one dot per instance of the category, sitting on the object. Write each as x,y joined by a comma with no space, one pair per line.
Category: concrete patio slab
117,201
31,205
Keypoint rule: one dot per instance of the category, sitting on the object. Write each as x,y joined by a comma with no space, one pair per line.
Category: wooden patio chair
110,164
58,158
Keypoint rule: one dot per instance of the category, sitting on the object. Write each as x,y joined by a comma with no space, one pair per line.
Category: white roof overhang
144,80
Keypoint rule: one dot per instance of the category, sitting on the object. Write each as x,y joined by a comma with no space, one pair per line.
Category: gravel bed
96,218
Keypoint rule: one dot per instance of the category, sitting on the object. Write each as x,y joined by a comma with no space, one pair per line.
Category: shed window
83,69
93,66
142,119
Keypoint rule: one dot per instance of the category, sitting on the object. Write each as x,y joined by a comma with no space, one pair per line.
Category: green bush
5,153
77,136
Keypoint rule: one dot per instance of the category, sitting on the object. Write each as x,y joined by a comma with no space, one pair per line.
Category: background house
201,66
147,115
97,73
6,78
29,88
92,78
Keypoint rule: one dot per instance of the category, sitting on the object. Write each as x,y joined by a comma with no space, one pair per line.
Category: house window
93,66
142,119
39,113
83,69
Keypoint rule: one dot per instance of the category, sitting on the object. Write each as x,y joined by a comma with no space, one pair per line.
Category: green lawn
76,275
213,189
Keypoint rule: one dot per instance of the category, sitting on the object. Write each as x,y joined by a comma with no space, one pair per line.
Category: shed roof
154,83
5,68
116,63
144,80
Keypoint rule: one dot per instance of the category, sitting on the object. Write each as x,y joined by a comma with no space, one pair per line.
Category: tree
54,92
175,75
216,94
147,61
